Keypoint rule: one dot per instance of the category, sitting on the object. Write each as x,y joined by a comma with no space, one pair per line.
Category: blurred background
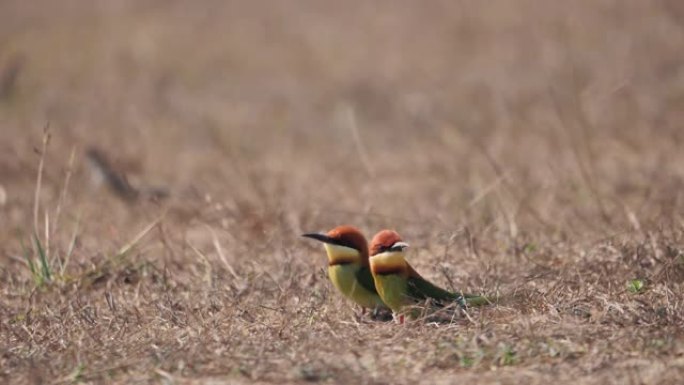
525,115
531,148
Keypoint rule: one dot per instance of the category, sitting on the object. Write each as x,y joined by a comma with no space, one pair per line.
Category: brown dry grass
527,147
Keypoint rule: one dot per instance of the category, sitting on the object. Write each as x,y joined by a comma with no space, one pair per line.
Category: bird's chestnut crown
387,241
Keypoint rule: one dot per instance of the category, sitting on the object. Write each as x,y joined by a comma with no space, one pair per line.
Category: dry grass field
529,148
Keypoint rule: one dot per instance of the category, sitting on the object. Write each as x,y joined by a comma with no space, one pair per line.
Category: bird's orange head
387,254
344,244
386,240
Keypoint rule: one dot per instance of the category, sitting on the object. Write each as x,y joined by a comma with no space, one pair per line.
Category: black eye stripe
393,247
345,243
384,248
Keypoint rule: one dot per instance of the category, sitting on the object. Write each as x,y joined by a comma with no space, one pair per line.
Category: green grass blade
45,266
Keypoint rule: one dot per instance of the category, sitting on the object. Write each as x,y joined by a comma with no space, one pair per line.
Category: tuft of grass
40,262
636,286
507,356
45,270
39,265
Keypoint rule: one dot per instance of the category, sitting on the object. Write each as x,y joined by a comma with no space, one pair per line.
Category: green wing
365,279
421,289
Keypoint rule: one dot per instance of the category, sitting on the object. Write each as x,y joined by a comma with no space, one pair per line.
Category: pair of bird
381,277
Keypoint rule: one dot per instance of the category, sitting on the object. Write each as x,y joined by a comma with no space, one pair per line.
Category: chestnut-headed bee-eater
399,285
348,266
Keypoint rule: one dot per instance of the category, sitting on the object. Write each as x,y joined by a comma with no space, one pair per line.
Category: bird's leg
381,314
398,318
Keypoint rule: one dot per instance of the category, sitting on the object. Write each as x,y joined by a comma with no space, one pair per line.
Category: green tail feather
478,300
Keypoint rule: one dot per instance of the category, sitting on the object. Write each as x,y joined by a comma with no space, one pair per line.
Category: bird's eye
384,248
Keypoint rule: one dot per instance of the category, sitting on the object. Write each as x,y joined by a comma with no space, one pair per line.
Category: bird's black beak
320,237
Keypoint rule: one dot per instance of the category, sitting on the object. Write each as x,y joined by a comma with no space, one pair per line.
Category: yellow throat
339,255
390,261
344,264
